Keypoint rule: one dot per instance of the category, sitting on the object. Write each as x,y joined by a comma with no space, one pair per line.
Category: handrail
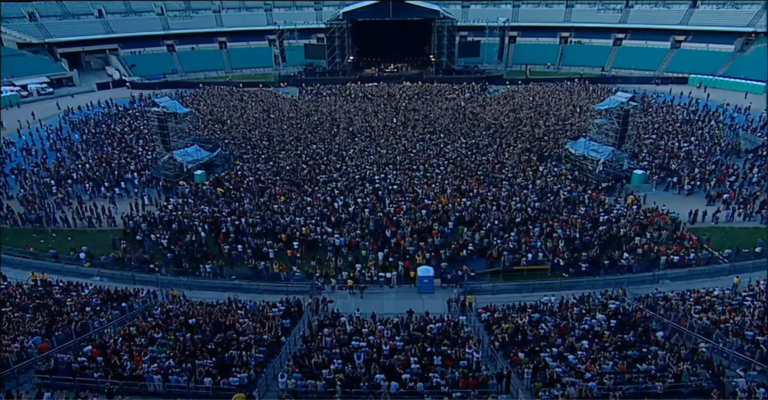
11,374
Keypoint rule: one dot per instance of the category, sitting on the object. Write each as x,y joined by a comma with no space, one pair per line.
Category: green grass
241,78
98,241
548,74
730,237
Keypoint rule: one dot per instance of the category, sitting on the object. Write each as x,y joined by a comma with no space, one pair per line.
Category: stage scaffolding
615,123
338,44
172,127
444,43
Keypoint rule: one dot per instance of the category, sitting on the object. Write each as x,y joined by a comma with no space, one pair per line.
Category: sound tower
164,133
502,44
621,138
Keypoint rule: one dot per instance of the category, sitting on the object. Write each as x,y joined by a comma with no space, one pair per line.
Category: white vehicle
40,88
15,89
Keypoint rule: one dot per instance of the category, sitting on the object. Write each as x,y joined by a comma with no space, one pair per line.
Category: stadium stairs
736,54
129,8
560,57
46,33
178,62
611,57
758,16
107,27
568,14
64,10
227,64
666,61
687,17
219,21
515,14
164,23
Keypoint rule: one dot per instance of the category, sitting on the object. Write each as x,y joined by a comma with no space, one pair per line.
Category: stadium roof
392,10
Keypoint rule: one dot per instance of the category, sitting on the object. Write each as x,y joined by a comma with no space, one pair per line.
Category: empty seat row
150,63
75,28
489,54
250,57
552,15
536,53
695,61
639,58
751,65
136,24
201,60
656,16
722,17
20,64
193,22
586,55
594,15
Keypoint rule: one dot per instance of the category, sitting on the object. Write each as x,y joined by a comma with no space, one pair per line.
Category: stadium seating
595,16
21,64
136,24
294,17
26,29
75,28
151,63
751,65
193,22
488,54
81,7
697,61
536,53
586,55
113,7
250,57
12,10
542,14
722,17
201,60
47,9
244,20
142,6
488,14
294,55
655,16
172,6
639,57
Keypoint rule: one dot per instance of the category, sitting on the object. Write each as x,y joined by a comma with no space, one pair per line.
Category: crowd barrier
397,79
609,282
162,282
22,373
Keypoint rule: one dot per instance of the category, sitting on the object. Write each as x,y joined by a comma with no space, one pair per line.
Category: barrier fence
21,373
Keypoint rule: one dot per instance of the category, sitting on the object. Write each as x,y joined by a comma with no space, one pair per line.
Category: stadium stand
488,13
654,16
294,55
294,17
21,64
696,61
586,55
13,10
26,29
753,64
47,9
241,20
192,22
148,64
136,24
536,53
75,28
548,11
201,60
250,57
488,54
80,8
142,6
112,7
718,16
643,58
595,16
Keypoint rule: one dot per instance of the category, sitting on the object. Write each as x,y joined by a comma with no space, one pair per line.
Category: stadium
384,199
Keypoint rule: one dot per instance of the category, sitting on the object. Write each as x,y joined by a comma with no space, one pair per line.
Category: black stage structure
390,36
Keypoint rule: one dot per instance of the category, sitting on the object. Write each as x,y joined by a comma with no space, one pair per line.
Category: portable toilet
200,176
426,279
639,177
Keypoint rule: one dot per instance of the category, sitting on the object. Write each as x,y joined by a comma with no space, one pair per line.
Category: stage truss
444,43
338,44
616,127
588,168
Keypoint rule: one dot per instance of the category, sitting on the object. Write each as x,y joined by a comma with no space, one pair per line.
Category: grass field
241,78
725,237
548,74
98,241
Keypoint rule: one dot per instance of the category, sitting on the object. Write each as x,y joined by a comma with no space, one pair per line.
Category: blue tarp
171,105
194,155
615,101
591,149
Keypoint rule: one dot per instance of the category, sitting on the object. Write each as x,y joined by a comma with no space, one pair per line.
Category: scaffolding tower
444,43
615,124
172,127
338,44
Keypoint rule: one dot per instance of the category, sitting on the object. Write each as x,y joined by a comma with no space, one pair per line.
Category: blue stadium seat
753,65
488,54
586,55
151,63
694,61
641,58
536,53
250,57
201,60
294,55
21,64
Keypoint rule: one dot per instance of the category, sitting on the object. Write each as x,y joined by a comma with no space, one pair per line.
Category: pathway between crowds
399,300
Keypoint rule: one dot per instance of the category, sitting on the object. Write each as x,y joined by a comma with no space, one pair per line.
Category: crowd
603,345
407,356
380,178
42,313
181,343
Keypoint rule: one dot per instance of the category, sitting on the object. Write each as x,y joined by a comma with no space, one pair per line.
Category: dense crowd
182,343
374,177
408,356
604,345
43,313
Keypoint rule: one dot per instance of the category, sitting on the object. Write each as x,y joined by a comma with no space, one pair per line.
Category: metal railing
20,374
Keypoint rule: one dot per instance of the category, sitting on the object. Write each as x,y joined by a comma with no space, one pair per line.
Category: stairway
687,16
107,27
178,63
41,27
510,55
219,21
128,7
227,65
666,61
64,10
188,6
515,14
625,15
560,57
758,16
164,22
609,63
568,14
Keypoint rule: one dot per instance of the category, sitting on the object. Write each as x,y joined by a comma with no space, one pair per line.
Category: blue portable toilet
426,279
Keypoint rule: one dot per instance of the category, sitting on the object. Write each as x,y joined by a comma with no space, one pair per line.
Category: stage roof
171,105
194,155
617,100
393,10
591,149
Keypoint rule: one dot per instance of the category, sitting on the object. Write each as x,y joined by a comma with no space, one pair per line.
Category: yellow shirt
350,282
33,277
736,280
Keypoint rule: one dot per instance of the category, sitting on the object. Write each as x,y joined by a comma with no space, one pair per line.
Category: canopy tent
28,81
169,105
615,101
591,149
194,155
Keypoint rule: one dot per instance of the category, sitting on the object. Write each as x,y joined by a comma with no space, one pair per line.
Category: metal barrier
623,281
159,281
20,374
